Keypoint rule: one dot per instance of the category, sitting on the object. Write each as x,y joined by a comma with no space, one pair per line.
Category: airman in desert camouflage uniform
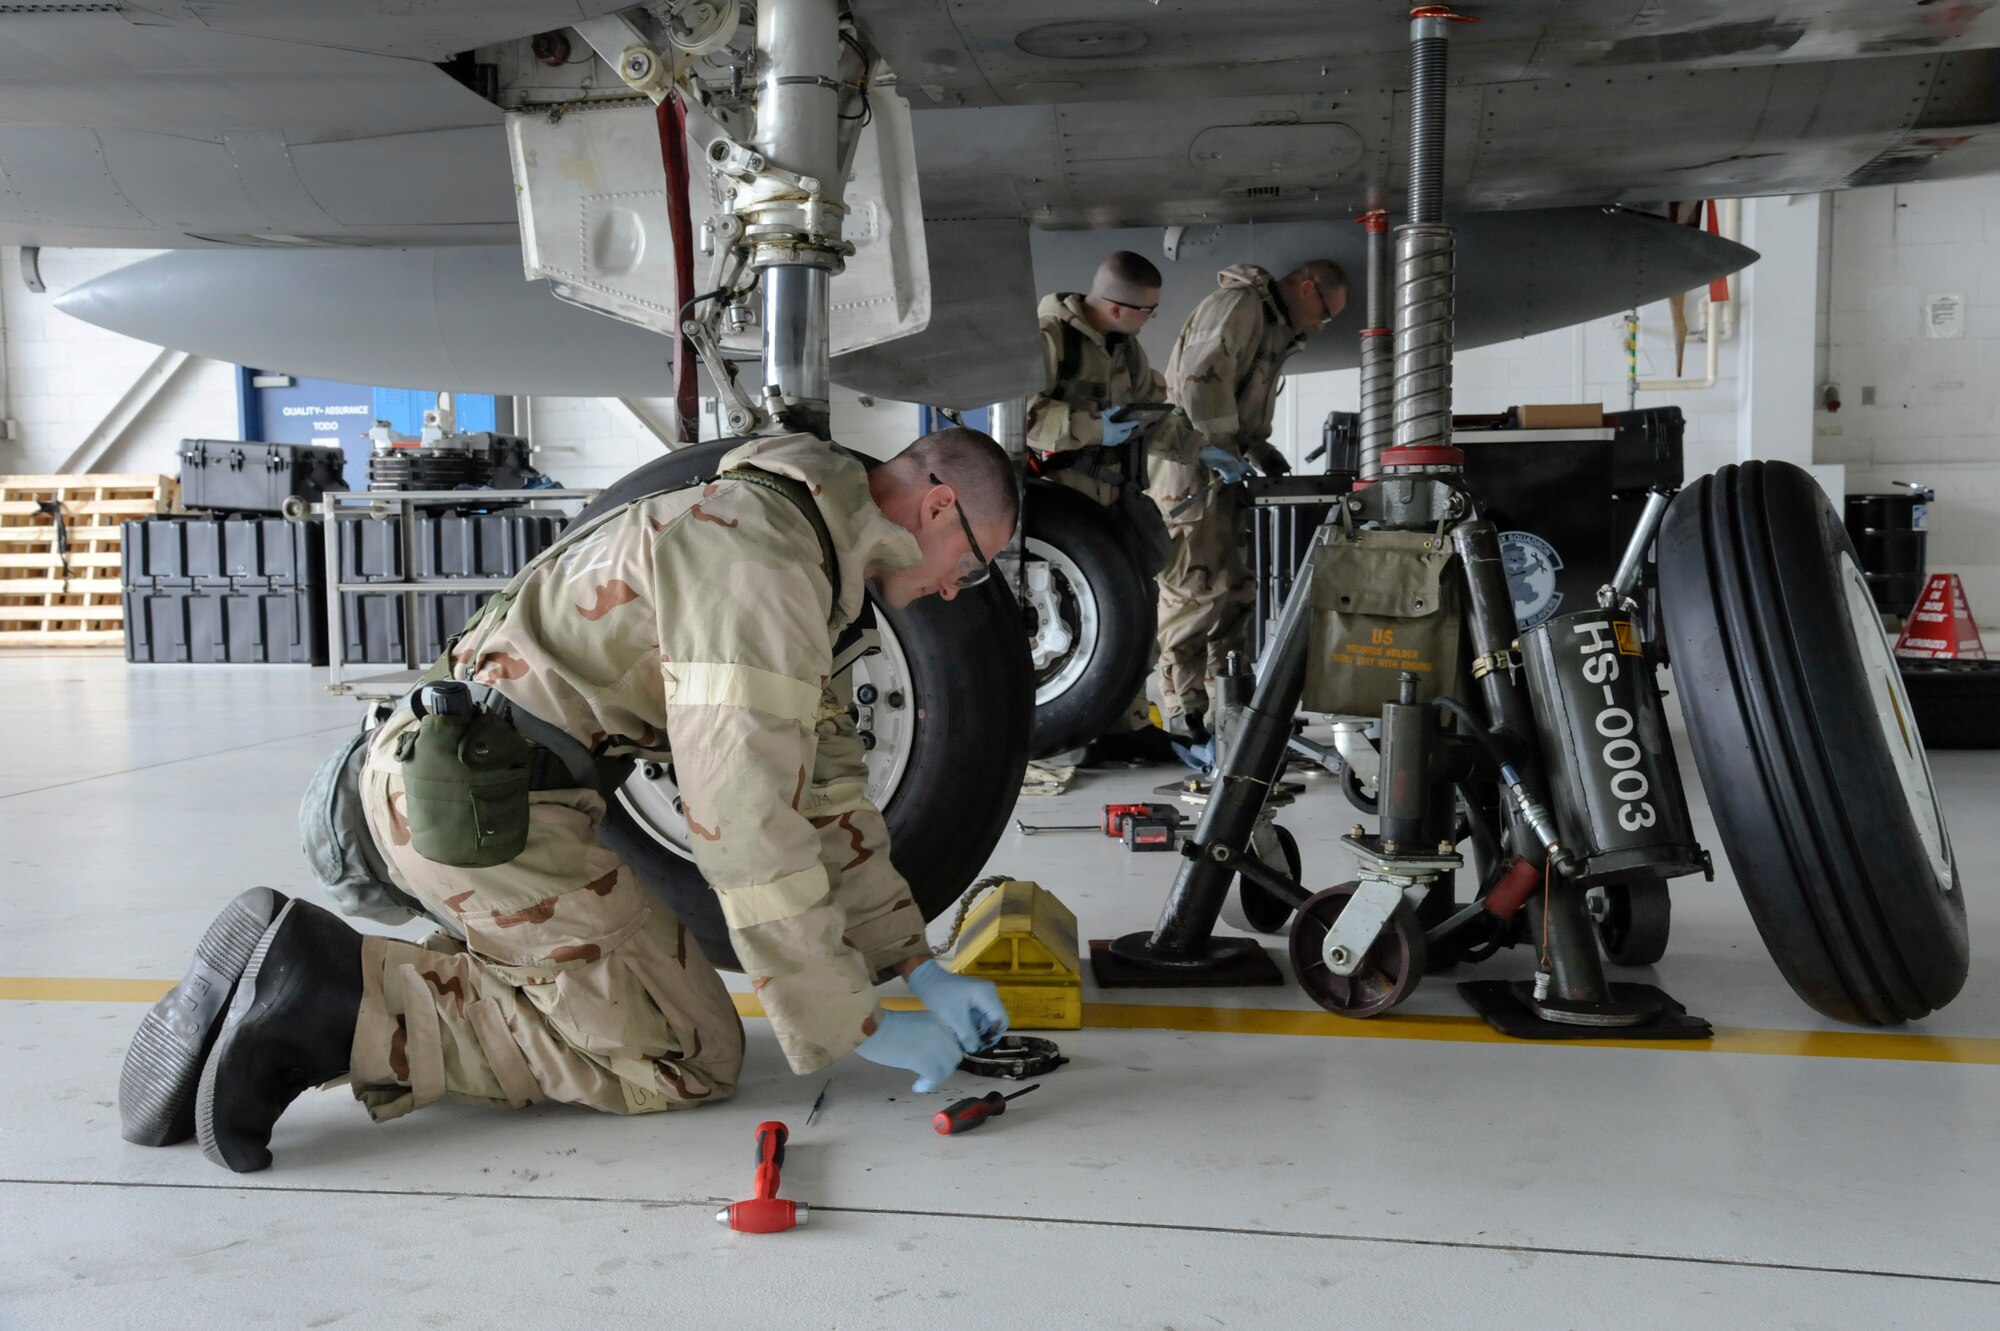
1224,375
694,627
1095,364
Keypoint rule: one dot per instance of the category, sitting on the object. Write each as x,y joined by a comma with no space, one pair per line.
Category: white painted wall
61,376
1936,412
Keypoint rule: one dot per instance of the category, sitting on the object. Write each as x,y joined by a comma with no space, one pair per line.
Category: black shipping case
202,626
448,545
232,476
202,590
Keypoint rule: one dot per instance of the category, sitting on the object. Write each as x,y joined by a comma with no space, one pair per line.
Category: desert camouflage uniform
696,628
1110,371
1223,374
1069,419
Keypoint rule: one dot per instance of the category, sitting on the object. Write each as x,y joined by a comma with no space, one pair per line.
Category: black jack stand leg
1181,949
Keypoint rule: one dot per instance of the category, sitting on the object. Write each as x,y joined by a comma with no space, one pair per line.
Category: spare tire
960,750
1956,703
1801,731
1089,610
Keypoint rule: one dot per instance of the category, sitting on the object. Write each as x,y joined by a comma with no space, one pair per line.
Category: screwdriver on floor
965,1115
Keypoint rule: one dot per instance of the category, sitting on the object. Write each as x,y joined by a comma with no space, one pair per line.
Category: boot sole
157,1085
204,1103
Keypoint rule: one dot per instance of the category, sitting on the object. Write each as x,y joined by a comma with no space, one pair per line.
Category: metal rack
352,506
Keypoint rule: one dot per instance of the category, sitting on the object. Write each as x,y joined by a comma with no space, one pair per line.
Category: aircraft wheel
946,702
1257,910
1089,612
1808,748
1387,975
1632,921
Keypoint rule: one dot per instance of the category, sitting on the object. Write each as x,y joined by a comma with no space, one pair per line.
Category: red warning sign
1941,627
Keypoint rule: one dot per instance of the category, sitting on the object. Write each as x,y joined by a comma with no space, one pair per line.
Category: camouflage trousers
1206,597
573,982
1138,713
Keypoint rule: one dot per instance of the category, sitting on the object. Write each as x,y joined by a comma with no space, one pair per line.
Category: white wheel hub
1063,642
1898,722
885,708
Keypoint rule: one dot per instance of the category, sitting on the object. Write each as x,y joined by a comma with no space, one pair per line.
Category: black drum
1888,531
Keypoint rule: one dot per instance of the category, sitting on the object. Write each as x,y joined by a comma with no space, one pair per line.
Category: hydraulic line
672,116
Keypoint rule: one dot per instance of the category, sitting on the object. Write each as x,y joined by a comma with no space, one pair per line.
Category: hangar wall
59,377
1935,382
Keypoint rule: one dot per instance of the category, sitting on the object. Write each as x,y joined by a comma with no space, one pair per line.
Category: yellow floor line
1973,1049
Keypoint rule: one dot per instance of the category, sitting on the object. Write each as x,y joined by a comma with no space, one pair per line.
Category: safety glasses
985,569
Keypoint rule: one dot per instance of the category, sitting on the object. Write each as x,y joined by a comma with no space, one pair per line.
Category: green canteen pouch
465,788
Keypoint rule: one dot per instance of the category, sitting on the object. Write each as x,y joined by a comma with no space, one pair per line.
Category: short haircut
1132,269
974,466
1325,272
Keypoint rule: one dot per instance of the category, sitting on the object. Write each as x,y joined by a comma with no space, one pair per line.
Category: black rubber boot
156,1088
290,1027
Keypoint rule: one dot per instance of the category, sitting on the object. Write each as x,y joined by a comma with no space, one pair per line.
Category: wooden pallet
65,592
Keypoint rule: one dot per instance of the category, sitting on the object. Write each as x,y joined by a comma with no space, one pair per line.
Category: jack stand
1182,950
1579,1003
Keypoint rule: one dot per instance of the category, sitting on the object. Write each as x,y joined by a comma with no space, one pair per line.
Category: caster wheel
1387,975
1251,907
1632,922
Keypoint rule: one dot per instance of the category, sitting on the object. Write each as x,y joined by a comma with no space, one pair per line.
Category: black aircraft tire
971,682
1820,813
1956,703
1257,911
1636,923
1122,653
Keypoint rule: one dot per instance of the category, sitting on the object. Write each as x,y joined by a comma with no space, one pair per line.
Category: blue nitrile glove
1118,427
916,1041
971,1008
1226,465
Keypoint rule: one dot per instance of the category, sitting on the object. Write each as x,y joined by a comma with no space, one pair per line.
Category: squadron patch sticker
1532,564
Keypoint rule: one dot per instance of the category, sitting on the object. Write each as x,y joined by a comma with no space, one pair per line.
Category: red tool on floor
1118,816
1149,826
965,1115
766,1213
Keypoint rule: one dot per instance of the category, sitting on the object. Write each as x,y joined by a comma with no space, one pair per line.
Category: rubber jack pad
1235,963
1500,1003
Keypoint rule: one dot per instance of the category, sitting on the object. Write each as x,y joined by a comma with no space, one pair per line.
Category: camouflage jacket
1224,368
697,627
1104,372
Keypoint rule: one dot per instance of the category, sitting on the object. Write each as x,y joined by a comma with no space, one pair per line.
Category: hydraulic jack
1562,780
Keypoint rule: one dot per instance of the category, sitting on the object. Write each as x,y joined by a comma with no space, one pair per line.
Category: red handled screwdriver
965,1115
